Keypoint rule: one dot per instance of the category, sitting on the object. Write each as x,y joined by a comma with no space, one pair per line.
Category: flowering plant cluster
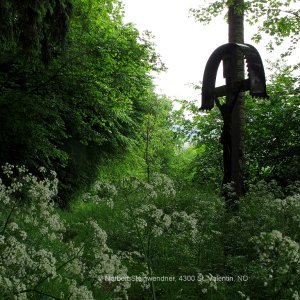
194,231
266,234
121,236
184,223
143,208
102,192
151,220
164,185
278,264
161,186
41,254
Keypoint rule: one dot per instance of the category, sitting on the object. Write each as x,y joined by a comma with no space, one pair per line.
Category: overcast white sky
183,44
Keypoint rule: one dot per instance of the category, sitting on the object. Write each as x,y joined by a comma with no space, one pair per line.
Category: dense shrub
121,238
41,255
87,103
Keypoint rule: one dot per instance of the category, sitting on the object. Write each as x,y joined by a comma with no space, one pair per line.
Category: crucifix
255,83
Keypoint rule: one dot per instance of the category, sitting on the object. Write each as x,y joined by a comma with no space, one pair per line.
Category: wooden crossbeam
224,90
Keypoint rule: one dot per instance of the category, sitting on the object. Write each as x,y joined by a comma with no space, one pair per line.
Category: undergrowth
131,239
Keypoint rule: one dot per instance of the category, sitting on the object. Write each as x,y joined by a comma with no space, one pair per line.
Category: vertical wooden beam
236,73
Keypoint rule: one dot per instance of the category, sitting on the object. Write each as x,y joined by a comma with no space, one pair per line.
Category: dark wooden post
234,73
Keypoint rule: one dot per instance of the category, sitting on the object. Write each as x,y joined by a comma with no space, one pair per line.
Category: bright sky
184,44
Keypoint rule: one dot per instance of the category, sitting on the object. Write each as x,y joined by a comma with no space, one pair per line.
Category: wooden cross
255,83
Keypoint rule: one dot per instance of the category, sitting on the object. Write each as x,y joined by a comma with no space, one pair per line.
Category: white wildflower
42,170
79,293
167,221
296,295
2,239
13,226
8,169
23,235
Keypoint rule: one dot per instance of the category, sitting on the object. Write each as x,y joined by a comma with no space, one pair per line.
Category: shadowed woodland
111,191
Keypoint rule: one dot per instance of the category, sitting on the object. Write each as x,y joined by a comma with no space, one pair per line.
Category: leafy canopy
279,19
33,30
86,103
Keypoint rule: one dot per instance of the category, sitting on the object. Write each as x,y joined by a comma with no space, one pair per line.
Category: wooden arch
256,83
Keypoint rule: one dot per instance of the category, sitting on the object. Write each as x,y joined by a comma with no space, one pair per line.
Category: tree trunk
236,35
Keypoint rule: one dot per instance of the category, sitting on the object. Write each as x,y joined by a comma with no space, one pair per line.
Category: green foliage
89,112
160,232
265,240
157,137
86,105
271,135
279,19
156,147
33,30
40,255
117,237
205,14
182,169
201,132
272,130
276,269
209,160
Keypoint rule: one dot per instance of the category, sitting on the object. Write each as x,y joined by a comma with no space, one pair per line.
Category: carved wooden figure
255,83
